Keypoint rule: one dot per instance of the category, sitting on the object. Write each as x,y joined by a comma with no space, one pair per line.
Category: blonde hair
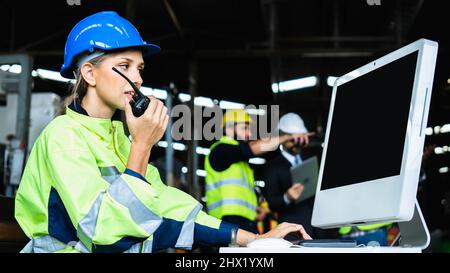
79,89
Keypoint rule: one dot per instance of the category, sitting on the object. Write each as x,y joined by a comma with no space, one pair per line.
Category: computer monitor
374,139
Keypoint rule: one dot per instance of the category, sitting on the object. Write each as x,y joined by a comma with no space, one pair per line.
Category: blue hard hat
102,31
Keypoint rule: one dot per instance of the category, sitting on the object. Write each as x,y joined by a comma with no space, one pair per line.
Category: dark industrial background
235,49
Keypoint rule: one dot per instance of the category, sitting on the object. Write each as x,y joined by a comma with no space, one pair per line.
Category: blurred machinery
23,116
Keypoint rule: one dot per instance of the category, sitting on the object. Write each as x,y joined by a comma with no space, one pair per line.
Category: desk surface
321,250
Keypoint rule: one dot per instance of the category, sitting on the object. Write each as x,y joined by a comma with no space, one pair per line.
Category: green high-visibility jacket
76,195
230,192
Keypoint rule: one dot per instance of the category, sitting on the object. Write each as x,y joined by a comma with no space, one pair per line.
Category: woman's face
113,88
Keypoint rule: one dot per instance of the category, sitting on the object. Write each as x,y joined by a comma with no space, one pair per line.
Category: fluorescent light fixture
445,129
331,80
15,68
202,151
295,84
275,87
158,93
146,90
162,144
175,145
184,97
201,173
443,170
178,146
51,75
257,160
5,67
203,101
438,150
181,147
437,129
231,105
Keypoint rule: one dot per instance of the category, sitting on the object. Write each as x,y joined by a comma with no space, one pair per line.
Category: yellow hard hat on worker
235,116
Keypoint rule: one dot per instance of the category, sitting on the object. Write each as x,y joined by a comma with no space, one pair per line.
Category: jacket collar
104,128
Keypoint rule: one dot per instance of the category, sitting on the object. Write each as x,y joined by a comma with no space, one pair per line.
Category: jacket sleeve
105,210
223,155
184,224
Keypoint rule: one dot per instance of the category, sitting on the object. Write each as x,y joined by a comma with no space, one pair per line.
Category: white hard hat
292,123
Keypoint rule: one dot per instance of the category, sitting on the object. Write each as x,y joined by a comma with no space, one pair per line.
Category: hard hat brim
147,50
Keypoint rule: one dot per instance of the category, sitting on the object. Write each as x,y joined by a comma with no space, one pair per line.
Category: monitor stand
414,233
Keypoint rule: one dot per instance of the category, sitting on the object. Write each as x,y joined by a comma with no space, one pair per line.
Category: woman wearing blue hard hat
86,187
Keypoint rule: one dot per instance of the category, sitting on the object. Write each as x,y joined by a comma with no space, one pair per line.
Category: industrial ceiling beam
174,18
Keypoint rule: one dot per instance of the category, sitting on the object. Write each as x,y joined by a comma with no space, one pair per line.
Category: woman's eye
124,66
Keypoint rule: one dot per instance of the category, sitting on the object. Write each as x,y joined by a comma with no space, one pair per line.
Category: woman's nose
136,78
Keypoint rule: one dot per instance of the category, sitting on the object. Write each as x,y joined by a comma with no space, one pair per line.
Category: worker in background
371,235
281,191
230,193
86,187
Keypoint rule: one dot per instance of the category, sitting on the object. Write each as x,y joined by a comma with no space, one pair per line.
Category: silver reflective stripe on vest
110,174
186,237
145,218
147,247
226,182
136,248
44,244
80,247
86,227
231,201
121,192
109,171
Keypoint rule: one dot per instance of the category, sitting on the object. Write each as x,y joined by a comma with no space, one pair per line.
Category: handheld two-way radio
140,102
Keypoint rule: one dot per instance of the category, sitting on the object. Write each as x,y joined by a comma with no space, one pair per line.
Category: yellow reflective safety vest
76,195
230,192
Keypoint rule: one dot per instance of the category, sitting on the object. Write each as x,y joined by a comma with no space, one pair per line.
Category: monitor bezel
390,198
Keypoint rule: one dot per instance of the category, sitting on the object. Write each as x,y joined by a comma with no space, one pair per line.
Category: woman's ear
87,72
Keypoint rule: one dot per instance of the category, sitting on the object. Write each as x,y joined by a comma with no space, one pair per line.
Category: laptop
307,174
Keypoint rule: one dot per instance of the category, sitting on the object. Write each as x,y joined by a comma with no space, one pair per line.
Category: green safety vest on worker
230,192
347,229
76,196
